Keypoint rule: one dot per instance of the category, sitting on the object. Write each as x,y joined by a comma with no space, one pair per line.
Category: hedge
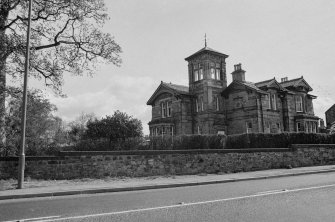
187,142
278,140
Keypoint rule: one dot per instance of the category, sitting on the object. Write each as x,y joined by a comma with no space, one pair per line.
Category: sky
271,38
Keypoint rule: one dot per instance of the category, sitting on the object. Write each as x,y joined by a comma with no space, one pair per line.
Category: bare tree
66,38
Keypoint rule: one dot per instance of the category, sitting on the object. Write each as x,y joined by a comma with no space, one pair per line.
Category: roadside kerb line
191,204
157,186
34,219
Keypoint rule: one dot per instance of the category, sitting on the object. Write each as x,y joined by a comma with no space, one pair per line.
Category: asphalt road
299,198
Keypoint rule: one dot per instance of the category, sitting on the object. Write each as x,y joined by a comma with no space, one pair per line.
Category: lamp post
24,105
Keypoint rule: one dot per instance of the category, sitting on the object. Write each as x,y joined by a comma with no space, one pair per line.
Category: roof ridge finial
205,40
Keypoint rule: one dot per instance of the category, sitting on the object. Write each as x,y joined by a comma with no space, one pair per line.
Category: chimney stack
239,73
285,79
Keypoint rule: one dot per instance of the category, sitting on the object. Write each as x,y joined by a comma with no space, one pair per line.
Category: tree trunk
3,56
2,106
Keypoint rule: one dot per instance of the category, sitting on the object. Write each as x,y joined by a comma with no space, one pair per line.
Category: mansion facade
209,106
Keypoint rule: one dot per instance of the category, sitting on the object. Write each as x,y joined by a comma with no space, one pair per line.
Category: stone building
209,106
330,116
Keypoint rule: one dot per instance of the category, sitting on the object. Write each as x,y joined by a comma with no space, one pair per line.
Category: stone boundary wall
70,165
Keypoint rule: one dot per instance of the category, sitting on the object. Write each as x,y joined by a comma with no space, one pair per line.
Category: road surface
298,198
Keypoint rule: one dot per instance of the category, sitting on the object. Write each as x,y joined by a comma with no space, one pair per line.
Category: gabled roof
174,89
271,83
206,49
179,88
296,82
248,85
332,107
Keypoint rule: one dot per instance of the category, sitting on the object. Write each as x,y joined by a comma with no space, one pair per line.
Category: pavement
132,184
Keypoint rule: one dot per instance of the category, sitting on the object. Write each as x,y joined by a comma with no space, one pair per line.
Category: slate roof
206,49
173,88
252,86
268,83
264,83
249,85
295,83
331,108
292,82
179,88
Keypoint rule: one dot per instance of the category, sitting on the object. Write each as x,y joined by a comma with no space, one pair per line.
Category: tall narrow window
268,101
212,70
196,105
249,127
274,102
201,104
196,75
163,109
201,74
298,103
169,109
217,103
217,71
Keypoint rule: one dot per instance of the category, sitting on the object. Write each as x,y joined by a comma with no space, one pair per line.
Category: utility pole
24,105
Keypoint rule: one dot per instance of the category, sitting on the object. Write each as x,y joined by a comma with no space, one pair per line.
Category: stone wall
70,165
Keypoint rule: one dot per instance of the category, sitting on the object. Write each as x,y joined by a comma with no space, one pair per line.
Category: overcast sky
271,38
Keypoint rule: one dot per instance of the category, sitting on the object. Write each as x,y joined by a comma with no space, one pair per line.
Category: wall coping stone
31,158
164,152
308,146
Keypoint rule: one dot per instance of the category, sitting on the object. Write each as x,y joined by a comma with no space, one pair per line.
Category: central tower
207,78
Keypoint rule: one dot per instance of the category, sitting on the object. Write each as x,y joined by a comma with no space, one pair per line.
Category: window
196,105
212,73
196,75
199,130
201,104
217,71
249,127
300,127
201,72
278,128
156,129
274,102
198,72
267,100
298,103
169,109
163,106
217,104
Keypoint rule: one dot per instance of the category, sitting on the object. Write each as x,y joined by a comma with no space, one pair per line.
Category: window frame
248,129
168,108
273,101
299,104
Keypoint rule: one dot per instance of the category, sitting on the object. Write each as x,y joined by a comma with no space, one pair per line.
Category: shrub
187,142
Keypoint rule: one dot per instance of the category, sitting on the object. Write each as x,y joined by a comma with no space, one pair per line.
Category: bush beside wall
278,140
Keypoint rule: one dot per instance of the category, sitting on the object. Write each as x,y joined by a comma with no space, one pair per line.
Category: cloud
125,93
